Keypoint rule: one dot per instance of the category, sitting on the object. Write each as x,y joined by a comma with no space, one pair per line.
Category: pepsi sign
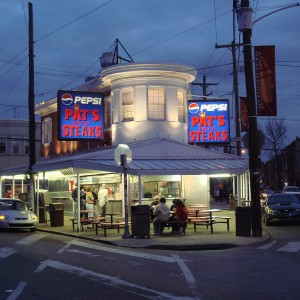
208,121
80,115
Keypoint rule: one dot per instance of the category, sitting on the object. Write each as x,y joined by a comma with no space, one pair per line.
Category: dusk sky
71,35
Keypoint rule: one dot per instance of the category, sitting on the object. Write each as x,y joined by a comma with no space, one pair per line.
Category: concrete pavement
203,239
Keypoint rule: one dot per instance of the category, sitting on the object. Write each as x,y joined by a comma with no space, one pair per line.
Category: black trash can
140,221
243,220
56,211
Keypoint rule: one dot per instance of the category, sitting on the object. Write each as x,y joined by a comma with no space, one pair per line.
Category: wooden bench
108,225
224,219
171,223
207,221
86,221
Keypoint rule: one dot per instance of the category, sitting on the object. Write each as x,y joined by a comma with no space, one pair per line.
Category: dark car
281,207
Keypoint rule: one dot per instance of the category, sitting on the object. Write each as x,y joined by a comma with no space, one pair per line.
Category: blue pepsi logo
193,108
67,99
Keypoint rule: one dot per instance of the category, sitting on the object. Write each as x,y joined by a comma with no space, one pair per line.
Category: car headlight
32,217
2,217
297,209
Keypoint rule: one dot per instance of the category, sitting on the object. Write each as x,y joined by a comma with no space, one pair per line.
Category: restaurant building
145,105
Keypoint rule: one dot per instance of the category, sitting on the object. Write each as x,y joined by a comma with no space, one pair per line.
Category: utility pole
204,86
32,151
252,121
233,46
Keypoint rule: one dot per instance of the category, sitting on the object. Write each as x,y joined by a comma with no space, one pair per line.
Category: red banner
265,80
244,114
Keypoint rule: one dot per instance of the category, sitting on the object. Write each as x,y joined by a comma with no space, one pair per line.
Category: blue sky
71,35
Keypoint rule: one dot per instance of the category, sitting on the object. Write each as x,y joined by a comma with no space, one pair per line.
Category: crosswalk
289,247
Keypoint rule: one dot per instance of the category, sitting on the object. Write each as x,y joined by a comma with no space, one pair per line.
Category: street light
123,157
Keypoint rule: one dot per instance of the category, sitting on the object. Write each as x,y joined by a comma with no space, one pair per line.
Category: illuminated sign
80,115
208,121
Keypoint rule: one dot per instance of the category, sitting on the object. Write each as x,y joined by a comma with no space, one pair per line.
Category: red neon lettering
95,115
68,113
221,120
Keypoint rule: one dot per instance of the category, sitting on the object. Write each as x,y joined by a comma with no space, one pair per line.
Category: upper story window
156,104
3,146
181,106
15,146
127,106
47,131
107,114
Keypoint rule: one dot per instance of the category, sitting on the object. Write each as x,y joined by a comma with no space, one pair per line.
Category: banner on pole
244,114
265,80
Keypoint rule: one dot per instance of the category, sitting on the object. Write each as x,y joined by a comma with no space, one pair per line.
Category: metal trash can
56,211
233,200
243,220
140,221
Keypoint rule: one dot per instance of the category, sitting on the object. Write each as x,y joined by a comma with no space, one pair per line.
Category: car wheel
33,229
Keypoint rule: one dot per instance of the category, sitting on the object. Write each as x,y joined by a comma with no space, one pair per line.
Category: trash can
243,220
233,200
140,221
56,211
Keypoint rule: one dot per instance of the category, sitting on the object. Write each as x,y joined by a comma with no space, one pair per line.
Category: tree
275,135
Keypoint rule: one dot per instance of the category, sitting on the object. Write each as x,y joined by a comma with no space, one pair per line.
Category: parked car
291,190
281,207
15,214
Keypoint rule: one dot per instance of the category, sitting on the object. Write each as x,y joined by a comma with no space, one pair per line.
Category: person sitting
162,214
152,206
181,215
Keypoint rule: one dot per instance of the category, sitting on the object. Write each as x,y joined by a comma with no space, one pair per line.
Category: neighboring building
14,146
289,162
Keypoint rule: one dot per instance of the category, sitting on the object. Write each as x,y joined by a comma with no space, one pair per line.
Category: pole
31,107
253,136
126,234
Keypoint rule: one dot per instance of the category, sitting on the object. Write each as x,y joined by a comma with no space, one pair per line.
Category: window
181,106
156,104
3,146
47,131
107,114
127,106
15,146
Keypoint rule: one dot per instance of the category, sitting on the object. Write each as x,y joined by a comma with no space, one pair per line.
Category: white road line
6,252
187,274
111,281
290,247
30,239
267,246
124,252
61,250
16,293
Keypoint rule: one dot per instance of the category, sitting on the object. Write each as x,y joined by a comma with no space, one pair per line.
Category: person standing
102,198
89,202
162,214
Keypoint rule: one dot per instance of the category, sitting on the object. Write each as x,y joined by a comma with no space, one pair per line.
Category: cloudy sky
71,35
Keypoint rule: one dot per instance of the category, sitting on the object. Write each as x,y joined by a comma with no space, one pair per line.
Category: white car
291,190
14,214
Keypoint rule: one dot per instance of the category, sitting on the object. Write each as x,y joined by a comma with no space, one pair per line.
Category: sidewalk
203,239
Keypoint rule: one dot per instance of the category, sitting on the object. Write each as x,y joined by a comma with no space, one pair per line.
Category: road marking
18,290
6,252
267,246
61,250
109,280
30,239
188,275
290,247
124,252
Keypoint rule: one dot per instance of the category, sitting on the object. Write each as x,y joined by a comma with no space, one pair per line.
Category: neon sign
80,115
208,121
